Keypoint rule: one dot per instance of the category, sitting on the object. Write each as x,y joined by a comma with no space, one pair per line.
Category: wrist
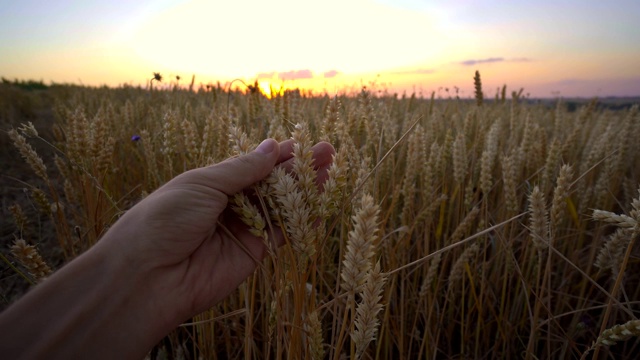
97,306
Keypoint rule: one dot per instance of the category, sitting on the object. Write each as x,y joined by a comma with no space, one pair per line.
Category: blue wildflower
135,138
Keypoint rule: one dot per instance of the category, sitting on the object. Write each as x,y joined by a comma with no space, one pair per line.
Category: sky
550,48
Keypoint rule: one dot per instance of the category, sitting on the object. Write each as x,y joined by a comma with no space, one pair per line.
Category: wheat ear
28,256
360,246
367,311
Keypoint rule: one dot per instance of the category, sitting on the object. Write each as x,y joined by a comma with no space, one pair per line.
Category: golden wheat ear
29,257
620,332
615,334
477,84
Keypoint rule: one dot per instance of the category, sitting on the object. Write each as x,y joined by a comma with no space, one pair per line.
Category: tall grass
449,228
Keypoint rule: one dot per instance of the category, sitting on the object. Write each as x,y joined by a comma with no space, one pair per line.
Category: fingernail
266,147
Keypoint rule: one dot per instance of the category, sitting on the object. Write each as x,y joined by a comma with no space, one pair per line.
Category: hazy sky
576,48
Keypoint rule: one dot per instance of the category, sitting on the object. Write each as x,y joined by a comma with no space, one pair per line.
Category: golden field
493,227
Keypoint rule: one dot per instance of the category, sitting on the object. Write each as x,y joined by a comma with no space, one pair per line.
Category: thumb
235,174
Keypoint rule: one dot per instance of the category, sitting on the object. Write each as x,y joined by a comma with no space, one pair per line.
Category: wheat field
491,227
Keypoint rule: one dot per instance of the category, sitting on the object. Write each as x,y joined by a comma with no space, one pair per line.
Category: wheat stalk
366,320
360,246
615,334
28,256
29,154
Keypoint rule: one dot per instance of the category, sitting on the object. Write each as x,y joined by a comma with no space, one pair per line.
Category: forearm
95,307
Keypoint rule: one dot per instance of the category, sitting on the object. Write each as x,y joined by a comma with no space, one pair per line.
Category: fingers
286,150
235,174
322,155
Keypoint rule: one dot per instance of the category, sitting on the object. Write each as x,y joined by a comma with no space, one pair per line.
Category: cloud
472,62
481,61
414,72
295,74
331,74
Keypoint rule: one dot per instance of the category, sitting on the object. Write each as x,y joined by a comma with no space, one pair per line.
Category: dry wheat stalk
69,192
436,166
360,246
189,133
537,156
153,177
635,213
615,334
622,220
99,141
27,129
250,215
464,225
552,162
612,252
223,127
62,166
29,154
28,256
366,320
331,120
527,140
487,161
432,272
293,197
620,332
303,169
539,223
509,179
477,84
460,158
77,137
128,114
240,141
332,195
295,213
313,330
560,194
19,217
169,131
458,268
411,176
207,142
41,200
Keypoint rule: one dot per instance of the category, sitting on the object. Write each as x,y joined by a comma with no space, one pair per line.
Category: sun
265,88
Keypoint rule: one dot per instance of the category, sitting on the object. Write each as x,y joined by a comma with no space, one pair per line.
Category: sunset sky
566,48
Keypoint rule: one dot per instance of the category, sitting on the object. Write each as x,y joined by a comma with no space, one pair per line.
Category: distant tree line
26,84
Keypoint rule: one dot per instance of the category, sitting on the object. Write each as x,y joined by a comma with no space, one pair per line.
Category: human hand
173,236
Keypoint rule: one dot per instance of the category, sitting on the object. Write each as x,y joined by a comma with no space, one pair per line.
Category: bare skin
164,261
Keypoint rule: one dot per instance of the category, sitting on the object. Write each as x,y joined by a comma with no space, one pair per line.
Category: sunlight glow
328,46
265,88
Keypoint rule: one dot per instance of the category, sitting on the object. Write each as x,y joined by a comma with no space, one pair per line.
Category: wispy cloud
481,61
490,60
296,74
291,75
331,74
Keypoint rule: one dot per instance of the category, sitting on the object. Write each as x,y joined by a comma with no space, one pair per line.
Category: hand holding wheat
186,232
174,254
